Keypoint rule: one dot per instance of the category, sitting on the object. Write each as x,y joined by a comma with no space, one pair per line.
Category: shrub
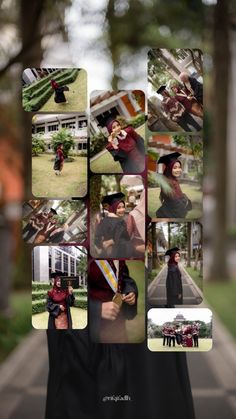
38,306
97,143
38,144
64,137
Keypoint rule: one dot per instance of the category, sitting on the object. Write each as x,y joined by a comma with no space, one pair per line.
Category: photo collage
114,218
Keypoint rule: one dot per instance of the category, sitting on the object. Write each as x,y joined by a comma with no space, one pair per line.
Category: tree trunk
155,264
189,237
219,271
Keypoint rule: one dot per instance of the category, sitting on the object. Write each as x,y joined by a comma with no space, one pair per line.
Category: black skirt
114,381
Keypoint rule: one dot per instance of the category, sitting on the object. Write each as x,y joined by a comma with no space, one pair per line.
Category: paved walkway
157,289
23,378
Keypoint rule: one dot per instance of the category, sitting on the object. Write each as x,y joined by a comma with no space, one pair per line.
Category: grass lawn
77,97
79,319
136,327
221,297
192,192
71,183
156,345
195,276
106,164
13,331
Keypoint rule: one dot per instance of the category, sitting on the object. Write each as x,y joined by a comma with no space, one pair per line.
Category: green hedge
38,95
39,306
39,286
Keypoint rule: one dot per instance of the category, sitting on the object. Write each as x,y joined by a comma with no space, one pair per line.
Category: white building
48,259
47,125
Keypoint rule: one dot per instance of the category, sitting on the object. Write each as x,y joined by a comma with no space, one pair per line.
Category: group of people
174,203
44,227
185,335
182,100
126,147
118,235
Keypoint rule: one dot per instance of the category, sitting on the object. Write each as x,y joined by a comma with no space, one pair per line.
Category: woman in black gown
174,288
111,235
175,204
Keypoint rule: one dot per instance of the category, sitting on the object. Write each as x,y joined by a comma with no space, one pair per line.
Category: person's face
50,214
62,146
174,89
120,210
177,257
58,281
177,169
116,127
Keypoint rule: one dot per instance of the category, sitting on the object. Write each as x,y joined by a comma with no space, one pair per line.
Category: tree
38,144
64,137
221,56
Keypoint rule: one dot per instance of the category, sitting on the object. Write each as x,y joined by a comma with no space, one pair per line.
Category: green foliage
14,330
38,144
40,286
97,143
64,137
82,264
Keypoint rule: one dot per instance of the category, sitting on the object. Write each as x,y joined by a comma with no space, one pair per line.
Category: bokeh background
117,34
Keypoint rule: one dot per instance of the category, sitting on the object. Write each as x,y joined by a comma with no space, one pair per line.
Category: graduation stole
108,273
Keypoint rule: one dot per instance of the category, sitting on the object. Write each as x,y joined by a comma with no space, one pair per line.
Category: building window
53,127
84,146
70,125
58,260
40,129
65,260
79,146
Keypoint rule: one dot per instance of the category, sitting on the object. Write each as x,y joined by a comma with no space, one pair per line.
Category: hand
129,298
110,311
140,248
62,308
107,243
70,289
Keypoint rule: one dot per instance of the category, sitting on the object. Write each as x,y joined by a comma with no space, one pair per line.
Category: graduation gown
113,228
102,330
174,286
59,94
54,310
176,207
82,375
131,152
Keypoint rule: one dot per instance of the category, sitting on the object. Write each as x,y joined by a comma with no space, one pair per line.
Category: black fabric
197,89
174,208
174,286
114,228
59,94
57,163
83,375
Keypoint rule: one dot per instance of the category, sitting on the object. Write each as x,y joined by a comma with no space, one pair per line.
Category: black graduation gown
54,310
59,94
99,292
174,286
114,228
133,162
174,207
83,375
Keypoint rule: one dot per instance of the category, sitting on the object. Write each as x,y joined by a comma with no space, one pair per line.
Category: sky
162,315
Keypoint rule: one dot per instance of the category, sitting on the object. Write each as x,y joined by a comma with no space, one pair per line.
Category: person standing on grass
59,160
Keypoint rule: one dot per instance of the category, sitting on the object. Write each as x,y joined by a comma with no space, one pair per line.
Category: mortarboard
169,158
170,251
161,89
111,199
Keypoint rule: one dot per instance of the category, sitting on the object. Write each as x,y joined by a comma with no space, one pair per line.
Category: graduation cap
55,274
161,89
169,158
170,251
53,210
111,199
